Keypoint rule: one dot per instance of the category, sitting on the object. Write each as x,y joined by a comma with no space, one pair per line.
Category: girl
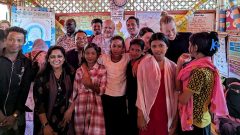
136,54
86,100
51,91
157,99
145,34
114,99
200,85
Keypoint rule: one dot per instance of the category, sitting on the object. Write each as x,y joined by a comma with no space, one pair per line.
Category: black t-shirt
178,46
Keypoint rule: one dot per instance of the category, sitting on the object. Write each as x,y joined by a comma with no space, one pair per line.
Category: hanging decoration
222,20
235,12
58,24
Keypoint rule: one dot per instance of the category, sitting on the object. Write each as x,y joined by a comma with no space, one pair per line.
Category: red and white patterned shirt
103,43
89,118
66,42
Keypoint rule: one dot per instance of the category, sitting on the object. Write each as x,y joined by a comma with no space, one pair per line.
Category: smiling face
169,30
132,27
81,40
159,49
108,28
56,59
97,28
14,42
116,47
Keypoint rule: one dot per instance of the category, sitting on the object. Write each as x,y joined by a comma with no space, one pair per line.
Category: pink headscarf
218,102
148,78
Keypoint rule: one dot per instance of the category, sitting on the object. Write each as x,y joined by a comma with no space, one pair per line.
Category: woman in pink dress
157,99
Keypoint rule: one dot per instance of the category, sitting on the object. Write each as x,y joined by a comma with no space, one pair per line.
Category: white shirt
128,40
116,74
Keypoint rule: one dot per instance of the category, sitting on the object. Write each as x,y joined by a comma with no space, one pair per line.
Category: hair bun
214,35
164,13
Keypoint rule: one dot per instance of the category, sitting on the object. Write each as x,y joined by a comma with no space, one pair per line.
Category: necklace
59,81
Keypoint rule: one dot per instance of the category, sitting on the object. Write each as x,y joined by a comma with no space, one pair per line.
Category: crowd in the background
161,83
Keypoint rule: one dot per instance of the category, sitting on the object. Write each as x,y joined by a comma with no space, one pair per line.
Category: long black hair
206,42
65,65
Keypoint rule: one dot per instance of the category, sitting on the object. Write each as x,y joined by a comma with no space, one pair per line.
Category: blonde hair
165,19
5,21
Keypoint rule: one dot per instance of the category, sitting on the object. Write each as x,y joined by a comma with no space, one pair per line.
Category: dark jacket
178,46
15,82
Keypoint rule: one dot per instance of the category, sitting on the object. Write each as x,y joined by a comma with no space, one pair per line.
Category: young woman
200,85
157,98
178,41
86,99
51,91
136,55
145,34
114,99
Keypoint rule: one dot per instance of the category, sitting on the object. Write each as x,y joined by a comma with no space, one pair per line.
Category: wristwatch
15,115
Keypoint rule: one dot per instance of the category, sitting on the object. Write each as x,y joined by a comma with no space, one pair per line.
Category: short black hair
97,20
144,30
71,19
134,18
16,29
119,38
2,35
79,31
138,42
159,36
204,41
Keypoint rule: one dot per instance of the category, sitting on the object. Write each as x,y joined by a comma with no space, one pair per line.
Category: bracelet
45,124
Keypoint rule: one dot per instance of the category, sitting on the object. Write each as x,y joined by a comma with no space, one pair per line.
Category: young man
15,76
67,40
74,56
133,30
96,27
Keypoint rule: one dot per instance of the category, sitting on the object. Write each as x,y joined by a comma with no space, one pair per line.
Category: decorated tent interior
47,19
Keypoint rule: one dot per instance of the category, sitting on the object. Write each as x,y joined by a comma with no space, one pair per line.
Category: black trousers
115,115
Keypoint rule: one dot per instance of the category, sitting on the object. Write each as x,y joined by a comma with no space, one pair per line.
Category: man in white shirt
132,24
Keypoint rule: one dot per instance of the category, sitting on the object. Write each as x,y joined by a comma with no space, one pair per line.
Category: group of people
149,84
